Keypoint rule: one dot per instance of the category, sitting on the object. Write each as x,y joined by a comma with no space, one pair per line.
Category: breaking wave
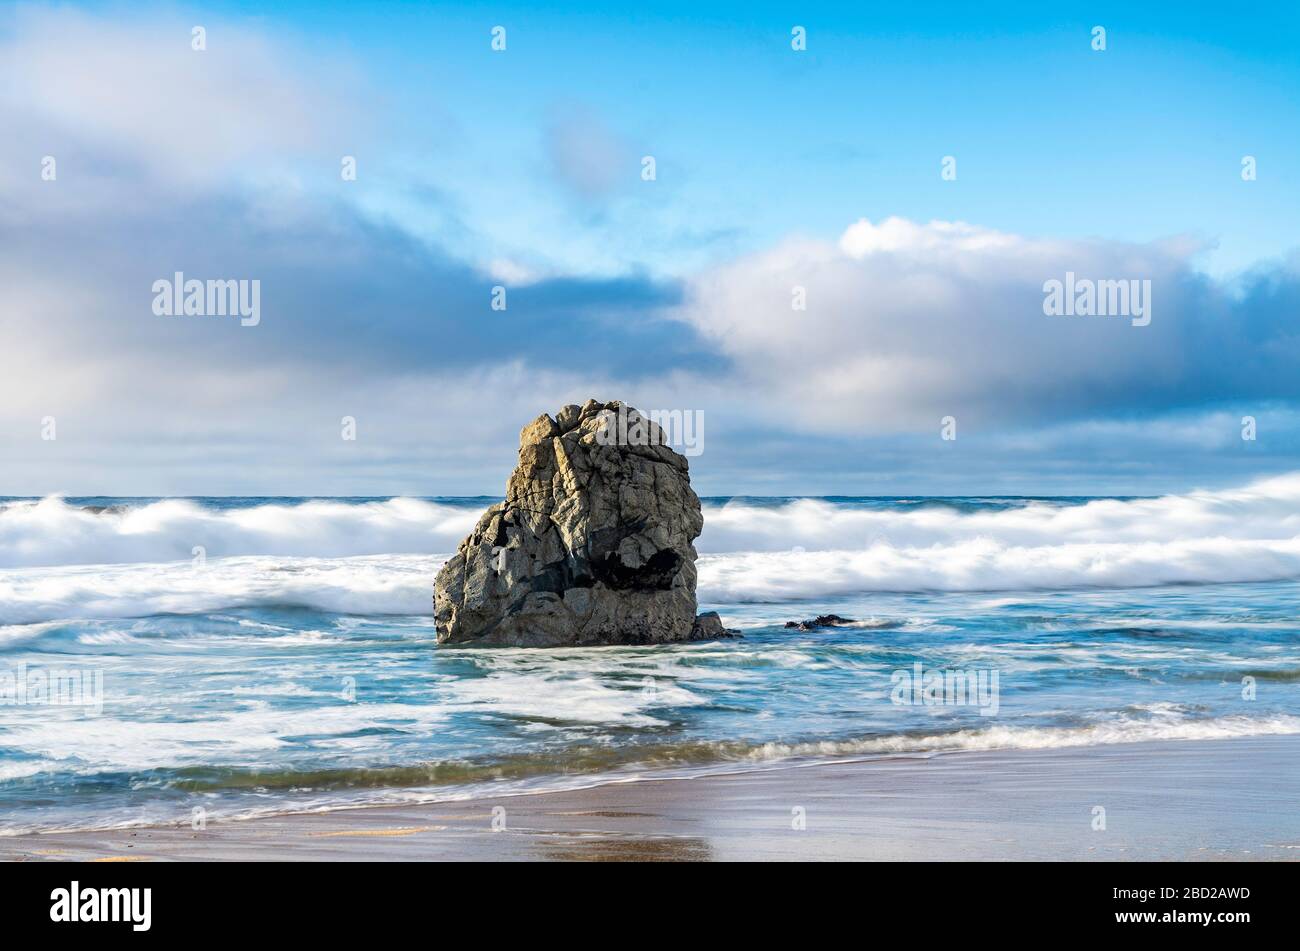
54,532
378,557
388,584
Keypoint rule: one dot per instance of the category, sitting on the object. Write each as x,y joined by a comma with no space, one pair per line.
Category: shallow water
290,662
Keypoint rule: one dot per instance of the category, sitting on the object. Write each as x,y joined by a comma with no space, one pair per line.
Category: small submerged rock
592,545
708,627
819,622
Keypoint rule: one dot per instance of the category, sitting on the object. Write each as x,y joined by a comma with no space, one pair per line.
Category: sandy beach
1190,800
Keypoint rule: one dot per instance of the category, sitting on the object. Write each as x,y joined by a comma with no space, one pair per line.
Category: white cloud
862,238
513,273
132,94
907,322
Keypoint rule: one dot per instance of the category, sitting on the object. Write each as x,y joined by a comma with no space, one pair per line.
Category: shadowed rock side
592,545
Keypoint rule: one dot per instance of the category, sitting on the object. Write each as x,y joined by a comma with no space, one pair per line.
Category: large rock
592,545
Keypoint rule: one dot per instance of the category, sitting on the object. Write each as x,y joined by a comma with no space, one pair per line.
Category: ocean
244,656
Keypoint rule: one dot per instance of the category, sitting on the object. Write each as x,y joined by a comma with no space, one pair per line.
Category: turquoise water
292,664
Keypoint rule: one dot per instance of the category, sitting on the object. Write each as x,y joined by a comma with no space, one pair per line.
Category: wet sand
1202,800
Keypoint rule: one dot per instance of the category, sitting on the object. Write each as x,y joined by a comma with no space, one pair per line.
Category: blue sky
775,168
1136,143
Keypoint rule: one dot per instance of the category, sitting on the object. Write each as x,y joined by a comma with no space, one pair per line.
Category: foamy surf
391,584
52,532
987,565
402,584
579,766
1106,733
290,664
179,556
1267,510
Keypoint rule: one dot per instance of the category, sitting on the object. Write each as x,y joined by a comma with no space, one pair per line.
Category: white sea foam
1156,725
811,548
1265,510
255,733
15,634
572,699
389,584
21,770
251,738
52,532
402,584
325,555
989,565
248,737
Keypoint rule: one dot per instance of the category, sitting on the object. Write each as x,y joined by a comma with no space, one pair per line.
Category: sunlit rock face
592,545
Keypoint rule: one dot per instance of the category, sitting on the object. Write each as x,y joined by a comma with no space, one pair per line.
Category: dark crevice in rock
657,574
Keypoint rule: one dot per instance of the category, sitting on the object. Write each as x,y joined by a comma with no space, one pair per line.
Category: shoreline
1235,799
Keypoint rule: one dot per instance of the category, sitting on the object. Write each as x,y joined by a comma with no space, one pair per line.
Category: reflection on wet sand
606,847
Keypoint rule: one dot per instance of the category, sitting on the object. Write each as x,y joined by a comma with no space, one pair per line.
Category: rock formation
819,622
592,545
